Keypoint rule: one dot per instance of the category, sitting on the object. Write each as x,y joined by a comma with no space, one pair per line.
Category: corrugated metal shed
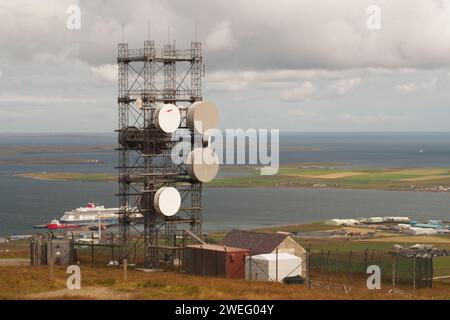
215,260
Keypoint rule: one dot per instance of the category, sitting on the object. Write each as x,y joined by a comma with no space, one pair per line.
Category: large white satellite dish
202,164
202,116
167,201
167,118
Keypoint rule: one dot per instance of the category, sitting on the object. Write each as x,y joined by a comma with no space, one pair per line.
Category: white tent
264,267
421,231
339,222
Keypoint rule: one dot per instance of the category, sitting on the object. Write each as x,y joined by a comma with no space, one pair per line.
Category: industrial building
215,260
421,231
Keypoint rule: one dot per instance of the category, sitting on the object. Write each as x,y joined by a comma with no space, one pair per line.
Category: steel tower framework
148,77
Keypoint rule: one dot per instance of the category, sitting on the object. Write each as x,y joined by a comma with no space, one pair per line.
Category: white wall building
264,267
421,231
341,222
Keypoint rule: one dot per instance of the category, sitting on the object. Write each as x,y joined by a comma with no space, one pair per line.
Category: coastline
278,182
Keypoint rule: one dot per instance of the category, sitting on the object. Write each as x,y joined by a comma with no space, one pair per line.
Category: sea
25,202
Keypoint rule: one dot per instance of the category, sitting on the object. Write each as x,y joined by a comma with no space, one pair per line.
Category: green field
302,175
332,177
70,176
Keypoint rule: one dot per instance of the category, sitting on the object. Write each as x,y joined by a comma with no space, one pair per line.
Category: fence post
322,260
125,267
308,268
328,269
51,261
382,265
74,252
336,262
350,265
112,248
414,272
276,266
365,259
394,269
92,250
250,266
431,272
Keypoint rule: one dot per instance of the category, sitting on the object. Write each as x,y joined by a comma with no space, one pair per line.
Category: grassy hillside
34,283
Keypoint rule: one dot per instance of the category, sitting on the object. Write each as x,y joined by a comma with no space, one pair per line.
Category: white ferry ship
90,214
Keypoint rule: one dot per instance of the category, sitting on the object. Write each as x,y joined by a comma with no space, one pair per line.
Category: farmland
301,175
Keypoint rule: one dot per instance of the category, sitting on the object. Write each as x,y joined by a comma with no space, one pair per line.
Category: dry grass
426,178
414,239
34,283
14,249
338,175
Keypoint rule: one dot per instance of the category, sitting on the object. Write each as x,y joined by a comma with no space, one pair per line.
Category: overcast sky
296,65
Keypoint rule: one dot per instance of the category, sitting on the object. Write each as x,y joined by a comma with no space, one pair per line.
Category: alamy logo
374,280
374,19
74,280
237,146
74,20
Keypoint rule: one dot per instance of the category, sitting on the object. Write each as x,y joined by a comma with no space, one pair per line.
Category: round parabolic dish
202,164
202,116
167,118
167,201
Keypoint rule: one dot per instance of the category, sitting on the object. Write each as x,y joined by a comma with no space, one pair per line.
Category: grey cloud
283,34
258,56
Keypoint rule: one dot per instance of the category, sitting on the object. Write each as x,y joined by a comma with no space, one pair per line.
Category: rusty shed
215,260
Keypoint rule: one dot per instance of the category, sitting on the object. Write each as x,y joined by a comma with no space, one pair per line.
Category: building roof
214,247
258,242
275,257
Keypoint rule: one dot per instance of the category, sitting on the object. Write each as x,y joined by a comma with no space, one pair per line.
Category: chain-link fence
441,270
316,268
348,267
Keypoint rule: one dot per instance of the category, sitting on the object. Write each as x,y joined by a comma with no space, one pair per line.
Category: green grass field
301,175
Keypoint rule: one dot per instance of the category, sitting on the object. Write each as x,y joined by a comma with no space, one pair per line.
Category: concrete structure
273,267
215,260
60,251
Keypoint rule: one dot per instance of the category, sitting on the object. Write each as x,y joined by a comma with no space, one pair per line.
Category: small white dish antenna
167,118
139,103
